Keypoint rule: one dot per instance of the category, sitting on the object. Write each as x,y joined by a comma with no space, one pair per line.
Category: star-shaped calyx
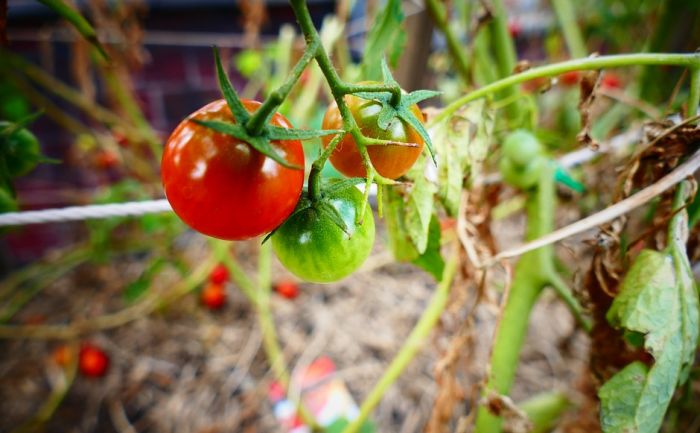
393,107
260,139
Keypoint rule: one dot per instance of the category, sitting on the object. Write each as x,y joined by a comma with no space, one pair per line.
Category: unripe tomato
389,161
92,361
314,248
21,150
287,288
521,147
522,159
213,296
219,275
221,186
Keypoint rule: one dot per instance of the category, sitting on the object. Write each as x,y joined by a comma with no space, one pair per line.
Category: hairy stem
614,61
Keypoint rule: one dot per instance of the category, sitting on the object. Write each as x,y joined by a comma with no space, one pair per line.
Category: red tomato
570,78
221,186
514,28
213,296
219,275
107,159
610,81
287,288
389,161
92,361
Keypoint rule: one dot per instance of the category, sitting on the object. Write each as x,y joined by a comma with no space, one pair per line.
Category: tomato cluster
226,187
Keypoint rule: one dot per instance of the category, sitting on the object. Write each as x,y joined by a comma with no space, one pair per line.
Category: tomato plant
213,296
92,361
312,246
389,161
222,187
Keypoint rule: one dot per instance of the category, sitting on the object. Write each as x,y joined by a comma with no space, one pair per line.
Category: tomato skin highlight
92,361
389,161
311,246
222,187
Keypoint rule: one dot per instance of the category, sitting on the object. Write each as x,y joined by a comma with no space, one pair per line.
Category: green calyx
258,137
397,105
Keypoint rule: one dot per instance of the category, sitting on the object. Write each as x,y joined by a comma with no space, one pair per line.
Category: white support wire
78,213
138,208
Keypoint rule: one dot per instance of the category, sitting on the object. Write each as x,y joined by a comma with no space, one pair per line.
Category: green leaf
420,95
279,133
431,260
332,213
386,36
77,21
136,289
419,205
462,144
259,143
234,103
658,298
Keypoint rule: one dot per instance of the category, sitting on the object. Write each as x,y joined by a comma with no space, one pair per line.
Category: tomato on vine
219,275
220,185
19,148
287,288
389,161
213,296
311,245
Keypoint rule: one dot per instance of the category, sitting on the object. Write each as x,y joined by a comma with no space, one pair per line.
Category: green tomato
523,177
521,147
21,150
312,246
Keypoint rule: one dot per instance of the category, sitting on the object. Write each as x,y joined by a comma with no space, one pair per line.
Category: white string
138,208
77,213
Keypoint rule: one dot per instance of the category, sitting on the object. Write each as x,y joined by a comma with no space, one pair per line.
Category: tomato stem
694,96
262,115
691,60
459,58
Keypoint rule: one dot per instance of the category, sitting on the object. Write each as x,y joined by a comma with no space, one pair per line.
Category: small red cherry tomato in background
92,361
514,28
219,275
213,296
610,81
221,186
62,355
570,79
107,159
287,288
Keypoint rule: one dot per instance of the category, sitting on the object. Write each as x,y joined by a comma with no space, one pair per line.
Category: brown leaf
589,86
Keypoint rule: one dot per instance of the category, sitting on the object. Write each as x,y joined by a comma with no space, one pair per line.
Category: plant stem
532,273
317,166
259,297
411,346
439,15
262,115
613,61
544,410
506,57
694,96
568,25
